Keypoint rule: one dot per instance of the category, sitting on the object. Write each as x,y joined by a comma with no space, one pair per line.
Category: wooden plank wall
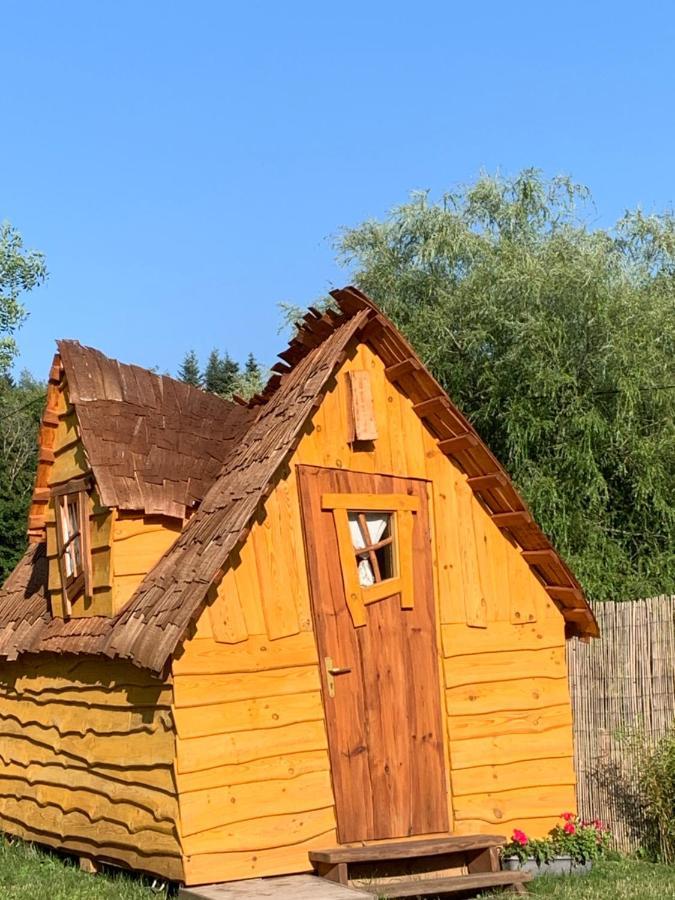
252,761
622,685
138,542
252,756
86,761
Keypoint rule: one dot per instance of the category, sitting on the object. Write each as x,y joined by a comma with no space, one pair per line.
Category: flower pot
559,865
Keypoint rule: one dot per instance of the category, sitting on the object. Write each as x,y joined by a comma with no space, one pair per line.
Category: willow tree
557,339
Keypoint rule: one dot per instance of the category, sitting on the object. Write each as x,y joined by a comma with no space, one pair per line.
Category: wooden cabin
244,632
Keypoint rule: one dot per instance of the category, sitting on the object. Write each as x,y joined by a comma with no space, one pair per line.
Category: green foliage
220,374
189,370
21,406
557,340
20,270
655,764
623,879
578,839
571,837
28,872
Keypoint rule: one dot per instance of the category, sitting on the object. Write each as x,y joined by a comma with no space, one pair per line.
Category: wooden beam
564,593
541,557
455,444
398,370
486,482
281,368
515,519
50,417
576,615
73,486
431,405
55,373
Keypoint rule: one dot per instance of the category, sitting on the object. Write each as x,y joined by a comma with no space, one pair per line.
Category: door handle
331,672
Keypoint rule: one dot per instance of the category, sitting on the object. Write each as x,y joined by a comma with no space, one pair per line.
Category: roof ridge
310,332
72,344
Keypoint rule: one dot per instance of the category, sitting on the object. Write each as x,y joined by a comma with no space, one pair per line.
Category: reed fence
621,685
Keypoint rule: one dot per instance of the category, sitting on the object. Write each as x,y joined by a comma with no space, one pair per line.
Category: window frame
401,507
66,496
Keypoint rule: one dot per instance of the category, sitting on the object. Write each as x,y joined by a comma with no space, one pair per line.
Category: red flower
569,828
519,837
598,824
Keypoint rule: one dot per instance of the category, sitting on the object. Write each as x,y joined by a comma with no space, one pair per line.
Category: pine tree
221,374
189,370
229,373
212,373
252,369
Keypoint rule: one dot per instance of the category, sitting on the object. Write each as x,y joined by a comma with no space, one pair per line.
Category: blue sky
183,166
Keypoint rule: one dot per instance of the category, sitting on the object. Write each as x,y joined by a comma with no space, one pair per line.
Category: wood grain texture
86,761
504,657
252,761
384,722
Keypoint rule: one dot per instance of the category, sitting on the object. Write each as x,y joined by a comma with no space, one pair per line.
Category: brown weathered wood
407,849
336,872
412,887
576,615
487,482
74,486
85,543
363,424
486,860
384,722
456,444
541,557
564,593
431,406
397,370
515,519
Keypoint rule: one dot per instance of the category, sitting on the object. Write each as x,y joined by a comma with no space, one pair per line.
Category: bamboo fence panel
620,685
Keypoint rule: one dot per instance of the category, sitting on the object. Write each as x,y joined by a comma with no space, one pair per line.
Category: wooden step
423,887
407,849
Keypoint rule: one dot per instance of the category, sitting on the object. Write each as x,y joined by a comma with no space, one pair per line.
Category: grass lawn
621,880
28,873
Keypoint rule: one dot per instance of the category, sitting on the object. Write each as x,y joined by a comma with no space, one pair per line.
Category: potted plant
570,847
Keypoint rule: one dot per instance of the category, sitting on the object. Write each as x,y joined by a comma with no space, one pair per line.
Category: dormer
125,458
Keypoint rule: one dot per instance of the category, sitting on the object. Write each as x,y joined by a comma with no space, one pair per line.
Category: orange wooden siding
86,761
247,704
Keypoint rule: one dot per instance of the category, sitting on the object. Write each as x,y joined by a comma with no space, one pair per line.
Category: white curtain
377,525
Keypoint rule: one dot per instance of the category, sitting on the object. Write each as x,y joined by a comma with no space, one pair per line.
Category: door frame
429,488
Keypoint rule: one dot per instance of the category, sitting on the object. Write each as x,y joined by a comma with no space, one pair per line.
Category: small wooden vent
363,424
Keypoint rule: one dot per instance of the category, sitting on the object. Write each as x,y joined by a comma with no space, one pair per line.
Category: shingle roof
154,444
157,618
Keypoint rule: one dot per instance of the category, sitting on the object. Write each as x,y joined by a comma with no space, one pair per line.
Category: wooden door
383,704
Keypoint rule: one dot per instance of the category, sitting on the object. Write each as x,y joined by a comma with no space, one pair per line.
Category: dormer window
71,502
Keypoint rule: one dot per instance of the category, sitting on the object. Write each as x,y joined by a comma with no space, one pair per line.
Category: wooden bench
420,867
